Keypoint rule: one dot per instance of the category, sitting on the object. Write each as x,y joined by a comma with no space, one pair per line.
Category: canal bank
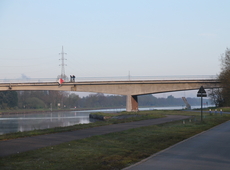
15,146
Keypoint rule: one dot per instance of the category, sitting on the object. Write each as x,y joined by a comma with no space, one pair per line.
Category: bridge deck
129,88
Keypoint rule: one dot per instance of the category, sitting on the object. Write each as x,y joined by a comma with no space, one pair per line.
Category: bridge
131,89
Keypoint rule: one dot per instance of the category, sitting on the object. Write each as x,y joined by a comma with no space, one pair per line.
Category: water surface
31,121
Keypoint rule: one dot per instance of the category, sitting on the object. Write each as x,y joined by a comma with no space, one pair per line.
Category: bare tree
216,96
221,97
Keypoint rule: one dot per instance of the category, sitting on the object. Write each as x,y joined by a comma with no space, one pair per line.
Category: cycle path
19,145
209,150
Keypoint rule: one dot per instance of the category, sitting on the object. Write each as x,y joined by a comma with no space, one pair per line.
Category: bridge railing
118,78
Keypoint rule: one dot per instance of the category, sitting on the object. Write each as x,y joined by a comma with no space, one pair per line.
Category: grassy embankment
115,150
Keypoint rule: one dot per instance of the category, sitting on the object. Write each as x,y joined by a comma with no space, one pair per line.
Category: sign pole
201,93
201,108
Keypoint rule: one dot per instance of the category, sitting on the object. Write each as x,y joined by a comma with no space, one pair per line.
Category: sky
112,38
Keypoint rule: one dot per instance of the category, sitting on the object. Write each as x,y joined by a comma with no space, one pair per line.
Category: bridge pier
131,103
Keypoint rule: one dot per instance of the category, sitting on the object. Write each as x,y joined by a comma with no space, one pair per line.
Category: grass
225,109
114,150
129,115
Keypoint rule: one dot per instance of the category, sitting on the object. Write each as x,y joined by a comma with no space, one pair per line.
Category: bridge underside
129,88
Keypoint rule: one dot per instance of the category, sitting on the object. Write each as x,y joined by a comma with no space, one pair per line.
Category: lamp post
51,107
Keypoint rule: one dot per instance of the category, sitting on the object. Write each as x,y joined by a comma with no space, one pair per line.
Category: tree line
60,99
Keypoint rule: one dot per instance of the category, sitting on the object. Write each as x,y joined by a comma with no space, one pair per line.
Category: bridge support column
131,103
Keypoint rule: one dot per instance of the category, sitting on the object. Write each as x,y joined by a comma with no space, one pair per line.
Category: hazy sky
106,38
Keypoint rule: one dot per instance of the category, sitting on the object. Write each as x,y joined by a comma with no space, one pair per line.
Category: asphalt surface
15,146
209,150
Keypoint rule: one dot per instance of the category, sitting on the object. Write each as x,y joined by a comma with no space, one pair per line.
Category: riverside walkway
206,151
16,146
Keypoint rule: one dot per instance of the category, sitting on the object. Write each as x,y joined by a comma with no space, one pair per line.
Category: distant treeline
58,99
150,100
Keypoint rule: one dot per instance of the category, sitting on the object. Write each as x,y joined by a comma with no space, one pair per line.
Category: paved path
30,143
209,150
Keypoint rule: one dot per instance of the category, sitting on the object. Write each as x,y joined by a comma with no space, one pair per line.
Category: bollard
215,111
183,122
210,111
221,112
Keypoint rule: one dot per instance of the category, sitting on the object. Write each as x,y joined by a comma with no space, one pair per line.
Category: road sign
201,92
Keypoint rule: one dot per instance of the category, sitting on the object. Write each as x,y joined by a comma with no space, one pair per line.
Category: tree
12,98
73,100
8,99
34,103
216,97
221,97
224,77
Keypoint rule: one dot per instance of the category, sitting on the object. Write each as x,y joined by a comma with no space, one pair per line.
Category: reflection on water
28,122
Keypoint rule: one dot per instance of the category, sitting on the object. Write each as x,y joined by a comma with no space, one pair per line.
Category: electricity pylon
63,76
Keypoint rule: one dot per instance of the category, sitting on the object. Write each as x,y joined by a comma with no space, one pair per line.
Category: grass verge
111,151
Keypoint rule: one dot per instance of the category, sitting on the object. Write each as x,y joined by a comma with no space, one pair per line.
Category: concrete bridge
129,88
